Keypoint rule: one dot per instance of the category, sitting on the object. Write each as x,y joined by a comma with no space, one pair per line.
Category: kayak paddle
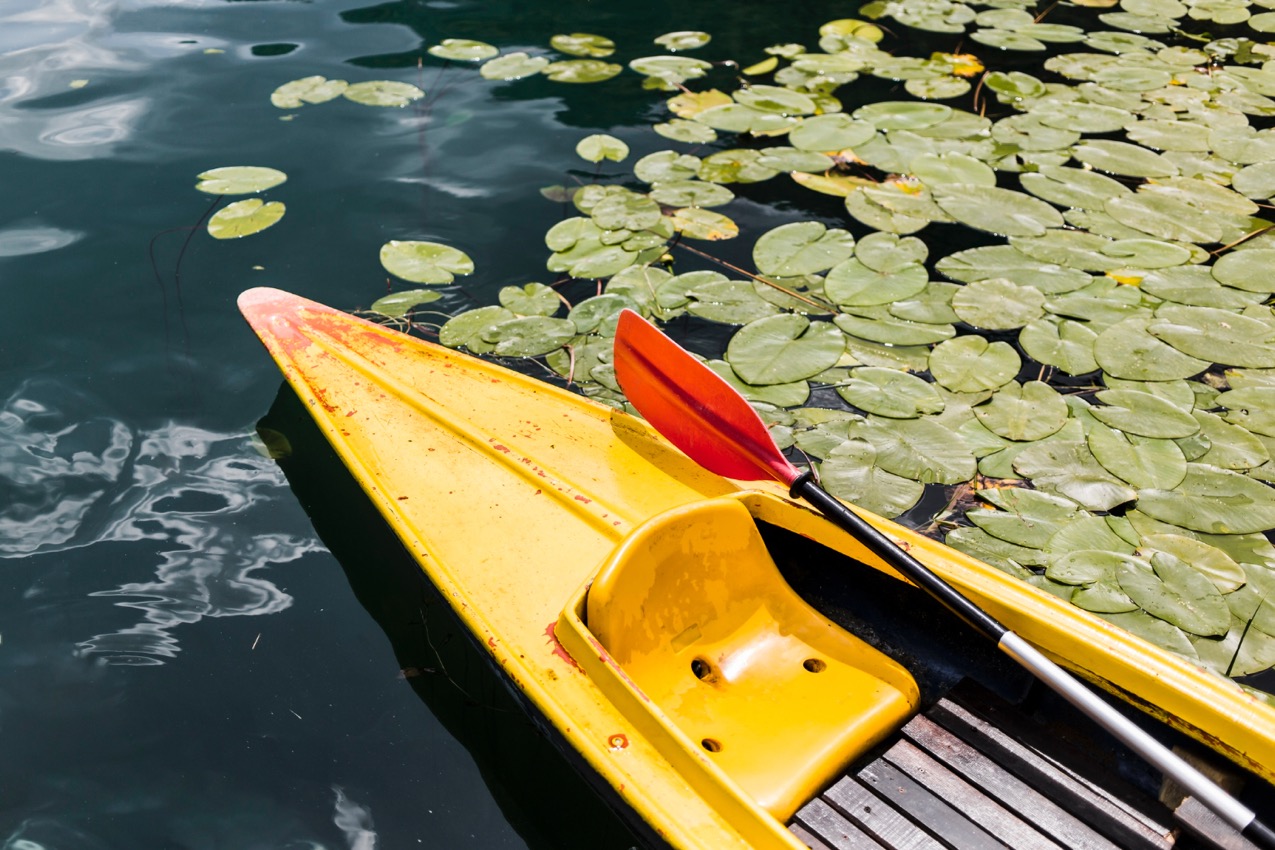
707,419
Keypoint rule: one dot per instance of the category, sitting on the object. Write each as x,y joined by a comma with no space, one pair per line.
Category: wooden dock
975,773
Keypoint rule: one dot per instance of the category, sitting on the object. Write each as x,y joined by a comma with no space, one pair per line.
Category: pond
184,663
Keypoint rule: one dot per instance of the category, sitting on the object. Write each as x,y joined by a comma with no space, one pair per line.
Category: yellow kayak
635,601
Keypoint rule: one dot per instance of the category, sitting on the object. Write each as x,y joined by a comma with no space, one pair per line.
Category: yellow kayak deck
627,594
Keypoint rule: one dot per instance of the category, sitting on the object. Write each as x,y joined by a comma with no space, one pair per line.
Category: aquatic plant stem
818,305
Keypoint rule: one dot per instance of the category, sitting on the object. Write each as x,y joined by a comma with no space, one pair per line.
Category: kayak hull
515,496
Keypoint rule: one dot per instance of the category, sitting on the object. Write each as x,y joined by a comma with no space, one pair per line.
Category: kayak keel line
715,426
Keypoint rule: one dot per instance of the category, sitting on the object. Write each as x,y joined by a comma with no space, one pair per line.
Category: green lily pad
780,395
998,304
581,71
1073,187
999,553
877,325
1252,408
738,165
583,44
1213,500
1164,218
626,211
1007,262
1023,412
1123,158
1248,270
851,475
666,166
396,305
683,40
244,218
1220,335
793,160
919,449
785,348
1142,462
890,392
1000,211
886,252
1143,414
1211,562
532,299
1196,287
1128,350
1061,343
940,169
683,130
382,93
513,66
463,50
1104,597
832,132
804,247
732,302
467,329
1068,468
1177,594
1256,181
297,93
696,223
529,336
671,69
424,262
1240,653
851,283
1155,631
239,180
1229,446
971,364
601,146
1086,566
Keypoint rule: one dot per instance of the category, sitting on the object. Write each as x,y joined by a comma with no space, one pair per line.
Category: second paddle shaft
1195,783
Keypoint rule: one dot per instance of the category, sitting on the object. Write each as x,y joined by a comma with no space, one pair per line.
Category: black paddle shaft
894,555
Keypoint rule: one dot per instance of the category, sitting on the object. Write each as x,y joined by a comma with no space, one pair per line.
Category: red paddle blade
693,407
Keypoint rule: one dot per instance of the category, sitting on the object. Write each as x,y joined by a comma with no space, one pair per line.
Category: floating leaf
920,449
691,193
730,302
1128,350
785,348
532,299
589,315
1252,408
513,66
832,132
890,392
297,93
683,40
1060,343
999,553
671,69
601,146
383,93
462,50
1214,500
738,165
583,44
682,130
850,475
696,223
1073,187
886,329
1123,158
851,283
970,364
626,211
804,247
1086,566
1142,462
239,180
1219,335
581,71
1211,562
1022,412
1007,262
424,262
1176,593
398,304
666,166
1143,414
1001,211
1067,467
1164,218
244,218
1249,270
998,304
1027,517
530,336
468,328
1229,446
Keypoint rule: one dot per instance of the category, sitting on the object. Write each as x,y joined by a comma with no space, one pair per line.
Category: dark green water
184,661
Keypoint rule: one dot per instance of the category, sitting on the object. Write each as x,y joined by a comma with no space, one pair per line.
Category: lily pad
244,218
804,247
833,132
919,449
732,302
1128,350
1211,562
532,299
1220,335
1142,462
398,304
513,66
581,71
424,262
1001,211
881,327
785,348
1143,414
239,180
890,392
1023,412
467,329
851,475
530,336
382,93
1061,343
1178,594
696,223
583,44
683,40
297,93
852,283
998,304
1068,468
1249,270
1213,500
463,50
601,146
682,130
1123,158
971,363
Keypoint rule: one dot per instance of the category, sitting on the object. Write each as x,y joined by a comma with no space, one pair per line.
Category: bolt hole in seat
725,658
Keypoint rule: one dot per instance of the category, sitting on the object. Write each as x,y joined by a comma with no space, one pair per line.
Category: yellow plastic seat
694,612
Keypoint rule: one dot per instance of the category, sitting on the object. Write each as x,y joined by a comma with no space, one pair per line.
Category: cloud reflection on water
69,481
